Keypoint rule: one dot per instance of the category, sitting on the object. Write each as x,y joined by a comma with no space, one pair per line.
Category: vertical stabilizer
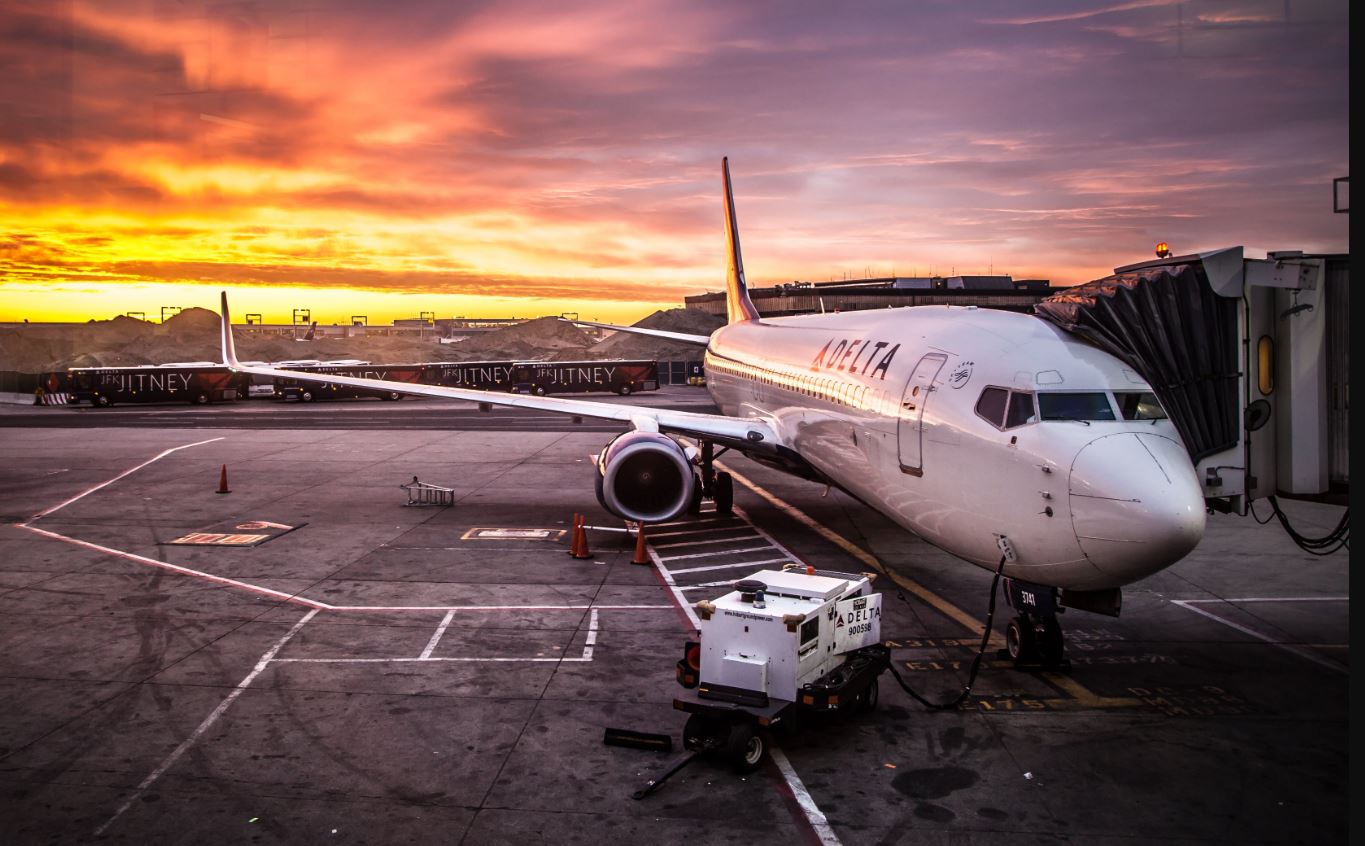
229,348
738,306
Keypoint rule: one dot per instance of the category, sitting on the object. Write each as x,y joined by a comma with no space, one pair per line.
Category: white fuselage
889,406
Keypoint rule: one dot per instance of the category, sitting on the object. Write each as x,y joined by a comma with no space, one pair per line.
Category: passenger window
991,405
1021,409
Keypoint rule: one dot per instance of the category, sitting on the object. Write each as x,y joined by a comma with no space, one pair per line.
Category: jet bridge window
1075,405
1139,405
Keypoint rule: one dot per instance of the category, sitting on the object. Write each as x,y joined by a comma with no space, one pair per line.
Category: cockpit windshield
1139,405
1075,405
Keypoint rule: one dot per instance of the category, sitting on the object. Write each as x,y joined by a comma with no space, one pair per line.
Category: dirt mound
692,321
539,338
192,323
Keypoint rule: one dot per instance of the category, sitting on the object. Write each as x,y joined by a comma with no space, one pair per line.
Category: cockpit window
1139,405
1069,405
991,406
1021,409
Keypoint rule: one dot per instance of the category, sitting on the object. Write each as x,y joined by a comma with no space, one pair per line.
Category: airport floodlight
171,310
360,320
1341,195
140,315
428,316
302,315
1163,250
254,320
569,315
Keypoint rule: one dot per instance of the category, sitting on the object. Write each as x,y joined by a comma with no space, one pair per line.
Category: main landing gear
1034,639
719,487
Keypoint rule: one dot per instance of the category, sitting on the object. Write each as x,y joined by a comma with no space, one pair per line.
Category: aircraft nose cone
1136,504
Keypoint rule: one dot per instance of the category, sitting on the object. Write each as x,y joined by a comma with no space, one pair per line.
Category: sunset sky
516,159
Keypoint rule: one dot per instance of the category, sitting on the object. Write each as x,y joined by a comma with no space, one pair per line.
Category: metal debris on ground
421,493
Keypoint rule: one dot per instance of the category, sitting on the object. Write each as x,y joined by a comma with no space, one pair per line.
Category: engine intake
645,476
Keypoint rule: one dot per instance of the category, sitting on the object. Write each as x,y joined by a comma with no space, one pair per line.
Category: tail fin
229,348
738,306
312,332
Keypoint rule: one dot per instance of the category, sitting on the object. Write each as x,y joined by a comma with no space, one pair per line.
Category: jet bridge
1237,350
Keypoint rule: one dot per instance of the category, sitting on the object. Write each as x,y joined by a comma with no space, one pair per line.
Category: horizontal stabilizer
699,340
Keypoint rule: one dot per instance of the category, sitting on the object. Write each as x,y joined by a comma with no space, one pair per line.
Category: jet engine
645,476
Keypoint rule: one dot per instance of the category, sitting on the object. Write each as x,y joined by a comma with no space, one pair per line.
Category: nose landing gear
1034,639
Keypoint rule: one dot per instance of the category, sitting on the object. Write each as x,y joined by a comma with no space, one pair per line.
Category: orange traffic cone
222,482
641,554
578,545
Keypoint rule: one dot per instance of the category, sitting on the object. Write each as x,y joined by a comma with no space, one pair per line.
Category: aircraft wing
748,434
700,340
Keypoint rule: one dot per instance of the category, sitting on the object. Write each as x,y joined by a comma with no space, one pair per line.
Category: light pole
174,310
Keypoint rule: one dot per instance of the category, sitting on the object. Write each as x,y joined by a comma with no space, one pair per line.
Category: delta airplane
992,435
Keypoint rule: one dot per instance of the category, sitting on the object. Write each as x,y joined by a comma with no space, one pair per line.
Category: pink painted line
59,506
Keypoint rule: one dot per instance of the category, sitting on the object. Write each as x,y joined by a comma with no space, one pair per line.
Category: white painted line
689,522
176,568
1271,599
714,554
729,566
59,506
592,636
496,607
698,543
770,539
709,585
708,530
208,721
823,831
436,638
422,660
609,529
673,586
1287,647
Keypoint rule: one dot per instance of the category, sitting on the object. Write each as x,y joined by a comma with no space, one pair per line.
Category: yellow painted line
1070,686
1085,696
942,605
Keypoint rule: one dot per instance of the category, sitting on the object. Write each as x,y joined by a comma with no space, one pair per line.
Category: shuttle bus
579,377
197,382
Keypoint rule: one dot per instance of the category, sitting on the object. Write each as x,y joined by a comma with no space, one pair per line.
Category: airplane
992,435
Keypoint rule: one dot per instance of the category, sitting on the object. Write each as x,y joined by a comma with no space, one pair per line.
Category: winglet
229,348
738,306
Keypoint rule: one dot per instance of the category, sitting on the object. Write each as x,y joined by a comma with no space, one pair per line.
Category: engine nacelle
645,476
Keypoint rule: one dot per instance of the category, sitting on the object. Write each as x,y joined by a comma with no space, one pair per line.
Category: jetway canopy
1238,350
1169,326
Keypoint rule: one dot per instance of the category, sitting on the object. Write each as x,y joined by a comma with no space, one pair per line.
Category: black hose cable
976,661
1329,543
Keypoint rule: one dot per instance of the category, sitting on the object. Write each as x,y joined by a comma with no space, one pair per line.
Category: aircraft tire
694,507
1020,641
867,700
745,747
724,493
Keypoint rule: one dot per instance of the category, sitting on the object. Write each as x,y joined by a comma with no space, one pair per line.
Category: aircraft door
910,429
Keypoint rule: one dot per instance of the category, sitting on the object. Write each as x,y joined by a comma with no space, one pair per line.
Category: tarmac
377,673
